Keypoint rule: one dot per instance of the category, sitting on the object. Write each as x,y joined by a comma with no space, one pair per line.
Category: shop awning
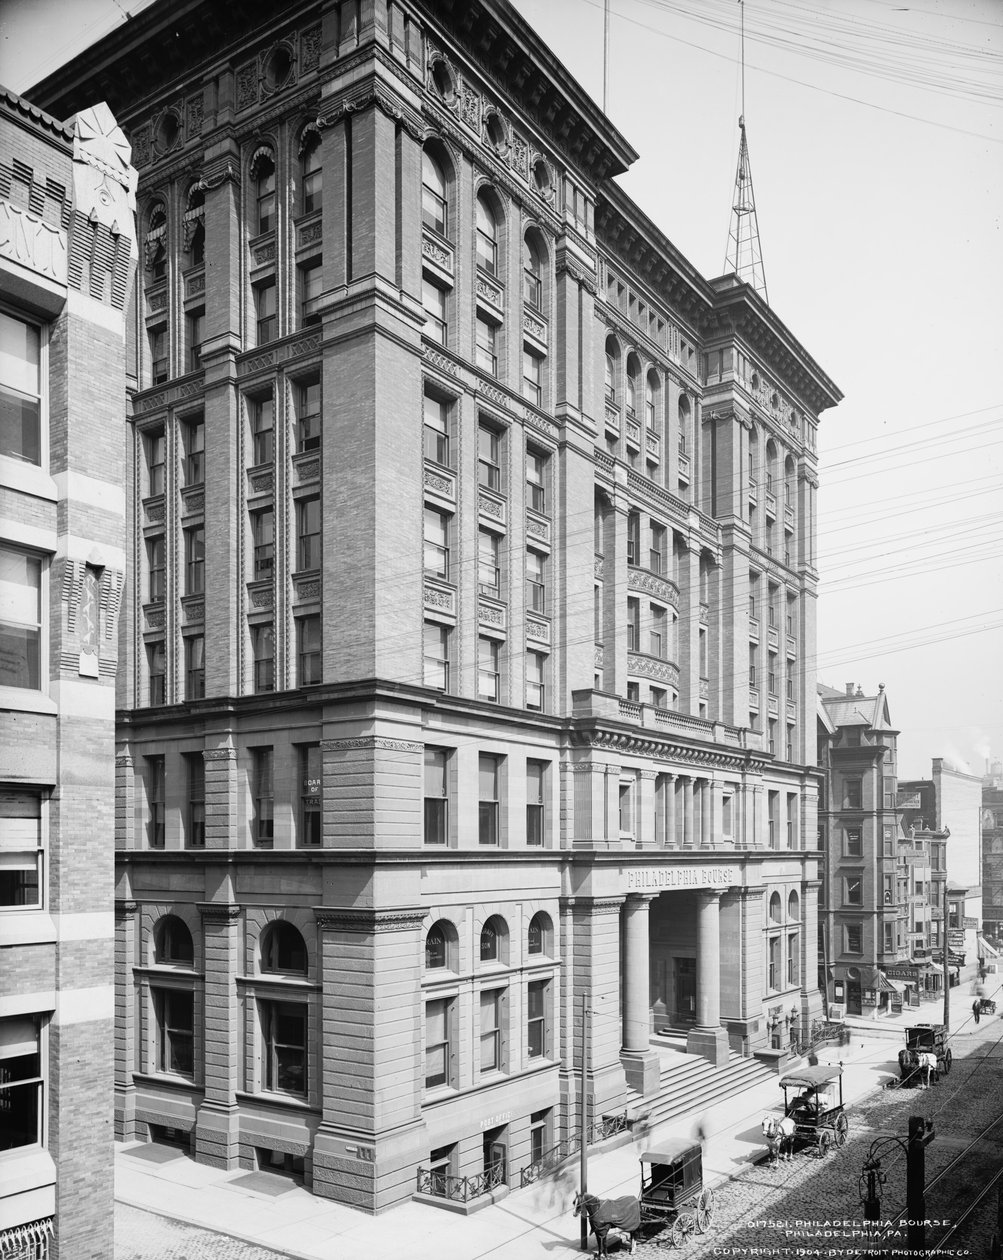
986,950
884,985
897,986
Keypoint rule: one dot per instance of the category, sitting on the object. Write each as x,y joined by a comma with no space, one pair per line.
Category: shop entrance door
685,1006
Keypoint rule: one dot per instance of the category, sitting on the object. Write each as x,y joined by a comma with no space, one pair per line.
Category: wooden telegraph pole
583,1121
947,973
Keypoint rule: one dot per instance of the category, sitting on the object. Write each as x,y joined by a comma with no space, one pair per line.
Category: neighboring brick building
67,261
468,656
992,856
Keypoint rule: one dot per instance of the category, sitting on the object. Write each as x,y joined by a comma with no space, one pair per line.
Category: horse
929,1066
779,1133
620,1217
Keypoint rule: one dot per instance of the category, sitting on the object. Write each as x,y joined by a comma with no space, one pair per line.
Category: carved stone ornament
310,41
219,754
651,667
597,568
104,181
541,424
194,113
219,912
538,631
247,85
598,656
433,597
440,361
439,484
490,507
371,741
367,921
661,588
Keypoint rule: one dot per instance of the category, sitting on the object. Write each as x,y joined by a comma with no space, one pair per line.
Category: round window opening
496,131
168,131
541,175
442,77
278,67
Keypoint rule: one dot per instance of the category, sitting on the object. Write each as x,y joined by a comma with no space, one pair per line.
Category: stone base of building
642,1069
710,1043
217,1136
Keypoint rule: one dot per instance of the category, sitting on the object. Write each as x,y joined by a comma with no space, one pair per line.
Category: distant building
470,638
878,907
67,260
992,861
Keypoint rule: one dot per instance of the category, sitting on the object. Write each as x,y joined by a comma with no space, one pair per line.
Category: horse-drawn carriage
813,1111
924,1043
986,1006
672,1197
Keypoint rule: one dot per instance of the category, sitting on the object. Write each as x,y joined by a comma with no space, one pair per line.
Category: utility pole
583,1120
920,1132
947,973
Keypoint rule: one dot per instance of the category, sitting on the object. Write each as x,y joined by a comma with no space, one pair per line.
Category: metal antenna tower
744,258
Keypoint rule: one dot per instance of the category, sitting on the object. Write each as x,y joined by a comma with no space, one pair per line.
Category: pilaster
217,1126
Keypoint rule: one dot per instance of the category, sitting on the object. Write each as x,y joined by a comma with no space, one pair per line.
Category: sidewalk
536,1222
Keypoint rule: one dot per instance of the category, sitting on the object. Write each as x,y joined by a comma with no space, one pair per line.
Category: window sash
309,650
308,416
284,1032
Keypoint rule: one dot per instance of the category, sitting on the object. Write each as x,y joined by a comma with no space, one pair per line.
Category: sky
875,133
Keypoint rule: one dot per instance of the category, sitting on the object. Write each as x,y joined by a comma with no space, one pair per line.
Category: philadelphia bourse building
468,648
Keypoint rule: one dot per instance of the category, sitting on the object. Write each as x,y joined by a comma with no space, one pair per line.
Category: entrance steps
689,1085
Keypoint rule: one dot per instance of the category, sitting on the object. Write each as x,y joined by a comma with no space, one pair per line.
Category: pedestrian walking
977,1009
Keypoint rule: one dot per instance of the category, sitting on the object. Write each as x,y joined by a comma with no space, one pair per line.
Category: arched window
283,949
684,423
789,481
311,173
532,275
771,467
633,372
612,364
172,942
156,243
263,168
435,947
793,907
540,935
651,401
494,936
775,908
487,236
194,221
434,205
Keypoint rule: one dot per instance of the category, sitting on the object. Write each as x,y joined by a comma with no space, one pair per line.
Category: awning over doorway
884,985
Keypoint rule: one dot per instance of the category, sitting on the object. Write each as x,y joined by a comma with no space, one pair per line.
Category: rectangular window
195,560
311,795
656,635
263,794
437,430
20,390
433,299
175,1015
853,845
436,656
307,402
436,543
536,805
155,554
263,534
539,1128
311,287
155,798
536,485
854,938
21,1083
195,667
155,462
263,653
538,1019
656,553
284,1047
266,315
852,794
536,693
774,946
633,625
487,808
158,354
793,969
532,376
308,534
633,539
488,573
20,851
853,889
536,590
488,458
262,413
491,1030
487,669
156,663
772,812
20,619
486,348
195,805
309,657
439,1056
195,321
193,435
889,938
436,796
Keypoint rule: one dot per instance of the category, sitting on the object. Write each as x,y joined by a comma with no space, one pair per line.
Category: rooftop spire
744,257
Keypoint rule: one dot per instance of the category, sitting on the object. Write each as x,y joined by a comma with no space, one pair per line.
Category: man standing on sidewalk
977,1009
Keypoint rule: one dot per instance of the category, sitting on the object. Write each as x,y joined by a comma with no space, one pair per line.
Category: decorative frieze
366,920
219,911
439,254
534,327
371,741
194,610
651,667
309,233
542,424
598,656
440,483
439,599
261,594
491,614
598,566
261,482
653,584
537,629
488,505
538,527
306,589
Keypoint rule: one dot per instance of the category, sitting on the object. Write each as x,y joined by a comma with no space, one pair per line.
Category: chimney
860,690
849,689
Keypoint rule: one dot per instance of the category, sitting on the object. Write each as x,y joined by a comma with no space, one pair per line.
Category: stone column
217,1123
688,834
644,823
708,1038
640,1062
125,1020
706,837
669,838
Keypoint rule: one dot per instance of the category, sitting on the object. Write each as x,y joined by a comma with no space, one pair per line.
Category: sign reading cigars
656,877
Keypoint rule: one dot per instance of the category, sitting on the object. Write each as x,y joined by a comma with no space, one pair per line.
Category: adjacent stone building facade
67,262
468,651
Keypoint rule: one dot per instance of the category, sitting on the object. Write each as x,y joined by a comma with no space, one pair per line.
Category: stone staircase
688,1085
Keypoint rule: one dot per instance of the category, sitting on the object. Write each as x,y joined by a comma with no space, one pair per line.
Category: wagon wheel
946,1066
842,1128
823,1144
705,1210
678,1232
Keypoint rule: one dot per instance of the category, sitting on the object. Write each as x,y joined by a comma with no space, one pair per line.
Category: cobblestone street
144,1236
